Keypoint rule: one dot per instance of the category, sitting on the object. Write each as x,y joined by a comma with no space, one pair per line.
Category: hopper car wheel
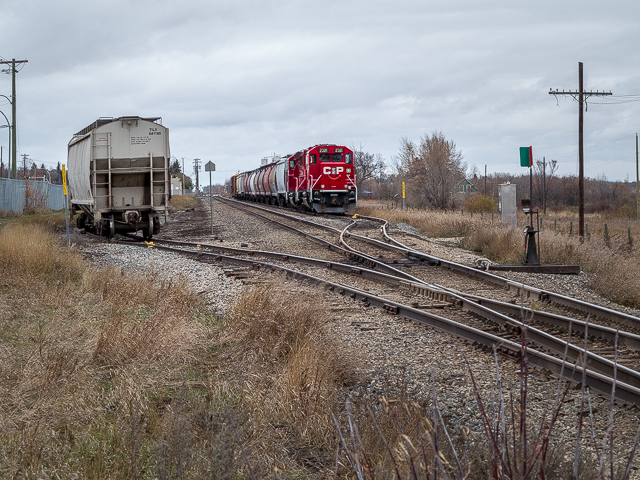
109,228
147,233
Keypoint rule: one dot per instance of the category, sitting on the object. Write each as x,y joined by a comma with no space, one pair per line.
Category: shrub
480,203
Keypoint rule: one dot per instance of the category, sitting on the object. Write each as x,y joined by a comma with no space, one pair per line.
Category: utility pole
637,182
24,166
1,162
485,180
182,175
582,96
196,168
544,185
12,70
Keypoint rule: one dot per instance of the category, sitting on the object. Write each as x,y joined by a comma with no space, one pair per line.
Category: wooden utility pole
544,185
24,166
581,97
196,168
485,180
637,182
12,70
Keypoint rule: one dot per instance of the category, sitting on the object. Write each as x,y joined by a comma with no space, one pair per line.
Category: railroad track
551,353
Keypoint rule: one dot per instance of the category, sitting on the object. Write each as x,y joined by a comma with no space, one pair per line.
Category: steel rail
359,257
543,339
522,289
488,309
600,382
630,340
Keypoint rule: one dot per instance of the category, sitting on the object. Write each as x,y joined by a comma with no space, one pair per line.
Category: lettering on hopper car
140,140
154,131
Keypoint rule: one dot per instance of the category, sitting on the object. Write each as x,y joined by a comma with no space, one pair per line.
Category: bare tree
543,173
367,165
432,169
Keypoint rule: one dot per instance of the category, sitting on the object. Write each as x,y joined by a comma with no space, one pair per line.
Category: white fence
13,194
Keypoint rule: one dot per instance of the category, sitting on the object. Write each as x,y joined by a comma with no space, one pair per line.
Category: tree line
436,176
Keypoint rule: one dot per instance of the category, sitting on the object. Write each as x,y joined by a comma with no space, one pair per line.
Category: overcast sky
238,80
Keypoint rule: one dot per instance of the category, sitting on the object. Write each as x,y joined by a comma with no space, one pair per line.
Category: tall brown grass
104,372
182,202
296,373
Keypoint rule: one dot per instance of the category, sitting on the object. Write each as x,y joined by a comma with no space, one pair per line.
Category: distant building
176,186
465,186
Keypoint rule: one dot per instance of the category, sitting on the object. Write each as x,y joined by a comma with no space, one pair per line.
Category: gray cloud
235,81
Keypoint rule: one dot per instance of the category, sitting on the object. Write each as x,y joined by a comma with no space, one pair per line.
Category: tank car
320,178
118,175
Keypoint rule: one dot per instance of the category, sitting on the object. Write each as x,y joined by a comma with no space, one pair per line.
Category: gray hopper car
118,175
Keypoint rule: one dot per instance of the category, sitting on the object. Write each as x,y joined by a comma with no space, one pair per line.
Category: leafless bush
35,197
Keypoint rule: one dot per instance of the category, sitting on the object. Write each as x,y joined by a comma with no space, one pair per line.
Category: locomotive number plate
339,150
323,150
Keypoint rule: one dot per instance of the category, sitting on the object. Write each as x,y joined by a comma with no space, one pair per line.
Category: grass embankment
614,268
110,374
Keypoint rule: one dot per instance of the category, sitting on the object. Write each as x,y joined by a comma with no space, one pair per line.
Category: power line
592,147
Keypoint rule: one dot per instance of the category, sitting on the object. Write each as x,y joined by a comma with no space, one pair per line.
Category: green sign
526,156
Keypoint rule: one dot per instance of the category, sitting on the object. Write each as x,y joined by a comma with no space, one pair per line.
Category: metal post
211,202
66,202
13,119
403,204
531,192
210,167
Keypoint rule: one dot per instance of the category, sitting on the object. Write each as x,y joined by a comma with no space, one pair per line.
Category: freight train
321,178
118,175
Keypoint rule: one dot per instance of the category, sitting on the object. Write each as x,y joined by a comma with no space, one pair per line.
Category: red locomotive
320,178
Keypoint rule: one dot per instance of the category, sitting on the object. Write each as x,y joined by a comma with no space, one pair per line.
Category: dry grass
110,374
295,373
30,249
181,202
99,370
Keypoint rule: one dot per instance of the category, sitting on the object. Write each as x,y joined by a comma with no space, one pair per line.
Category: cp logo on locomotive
332,170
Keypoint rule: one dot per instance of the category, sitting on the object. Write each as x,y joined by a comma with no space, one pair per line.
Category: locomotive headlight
321,186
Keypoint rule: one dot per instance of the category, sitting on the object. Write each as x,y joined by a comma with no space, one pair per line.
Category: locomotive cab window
336,157
313,159
325,157
291,164
347,158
